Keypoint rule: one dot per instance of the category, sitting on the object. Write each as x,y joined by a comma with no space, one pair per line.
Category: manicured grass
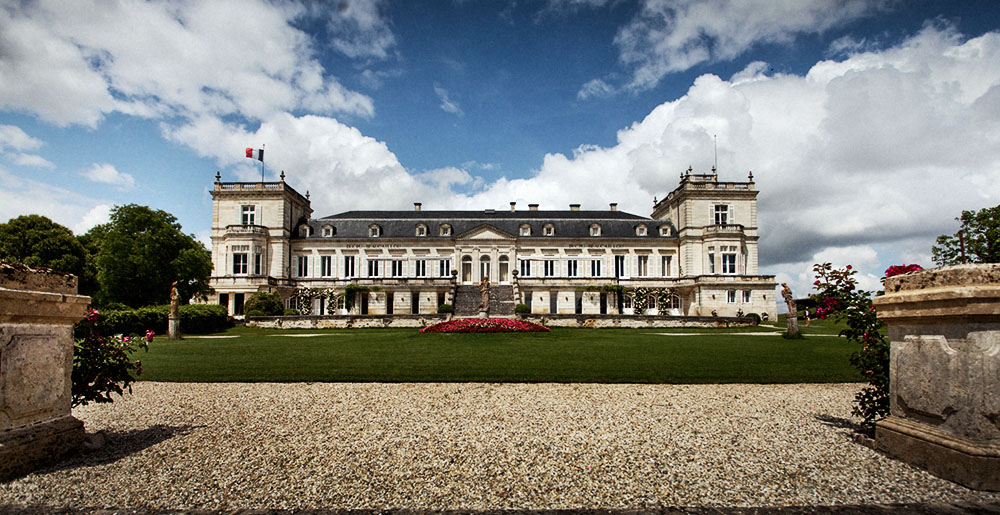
562,355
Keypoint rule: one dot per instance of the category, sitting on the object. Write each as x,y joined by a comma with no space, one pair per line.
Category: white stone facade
696,255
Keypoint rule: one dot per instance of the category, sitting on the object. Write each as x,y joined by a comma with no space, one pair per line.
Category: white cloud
22,159
108,174
79,61
447,104
99,214
13,137
21,196
595,88
672,36
360,28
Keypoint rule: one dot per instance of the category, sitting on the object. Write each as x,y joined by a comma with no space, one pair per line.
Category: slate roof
568,224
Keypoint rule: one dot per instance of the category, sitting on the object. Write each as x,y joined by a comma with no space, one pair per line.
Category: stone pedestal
37,311
944,326
174,328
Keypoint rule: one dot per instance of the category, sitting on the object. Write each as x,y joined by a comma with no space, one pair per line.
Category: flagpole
262,163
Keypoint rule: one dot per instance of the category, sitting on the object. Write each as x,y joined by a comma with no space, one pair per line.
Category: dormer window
664,230
595,230
421,230
525,230
640,230
549,230
328,231
374,231
445,230
304,231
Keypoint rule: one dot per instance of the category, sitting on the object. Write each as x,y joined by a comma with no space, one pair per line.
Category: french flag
254,153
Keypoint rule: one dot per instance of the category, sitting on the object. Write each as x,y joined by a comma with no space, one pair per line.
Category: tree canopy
981,232
35,240
140,252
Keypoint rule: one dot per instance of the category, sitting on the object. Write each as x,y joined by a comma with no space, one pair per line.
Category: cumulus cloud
108,174
360,29
77,62
13,137
672,36
447,104
19,196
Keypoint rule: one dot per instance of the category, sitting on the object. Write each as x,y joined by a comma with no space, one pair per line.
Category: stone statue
174,318
484,292
793,311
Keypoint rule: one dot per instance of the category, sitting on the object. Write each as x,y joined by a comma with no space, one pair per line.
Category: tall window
571,268
444,268
303,268
239,263
620,266
257,259
721,214
348,266
711,260
731,296
420,268
729,260
595,267
665,266
746,296
525,268
549,267
326,266
397,268
249,215
643,262
372,268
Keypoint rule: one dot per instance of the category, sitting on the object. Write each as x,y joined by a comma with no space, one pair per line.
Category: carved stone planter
37,311
944,326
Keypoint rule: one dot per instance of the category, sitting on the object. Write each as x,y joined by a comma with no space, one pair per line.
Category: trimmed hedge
195,319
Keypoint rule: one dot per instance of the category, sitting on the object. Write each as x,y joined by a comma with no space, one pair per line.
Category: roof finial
689,170
218,176
282,176
654,200
307,194
750,176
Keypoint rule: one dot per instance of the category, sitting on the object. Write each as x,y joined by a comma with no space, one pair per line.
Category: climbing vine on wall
303,299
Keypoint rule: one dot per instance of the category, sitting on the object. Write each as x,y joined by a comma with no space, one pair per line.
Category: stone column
944,327
37,311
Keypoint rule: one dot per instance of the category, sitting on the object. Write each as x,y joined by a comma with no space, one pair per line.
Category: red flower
483,325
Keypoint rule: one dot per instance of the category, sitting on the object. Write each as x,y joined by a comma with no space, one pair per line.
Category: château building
695,255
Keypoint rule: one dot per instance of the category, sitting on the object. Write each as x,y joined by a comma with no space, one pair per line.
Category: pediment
485,232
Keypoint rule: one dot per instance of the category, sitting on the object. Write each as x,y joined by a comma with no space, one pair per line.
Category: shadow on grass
120,444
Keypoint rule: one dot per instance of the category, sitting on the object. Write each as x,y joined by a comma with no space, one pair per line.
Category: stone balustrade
944,328
37,311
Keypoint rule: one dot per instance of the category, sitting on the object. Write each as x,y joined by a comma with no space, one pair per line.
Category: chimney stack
574,207
614,206
512,204
416,206
533,207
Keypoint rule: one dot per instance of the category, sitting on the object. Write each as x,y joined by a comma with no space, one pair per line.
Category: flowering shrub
102,364
901,269
484,325
839,297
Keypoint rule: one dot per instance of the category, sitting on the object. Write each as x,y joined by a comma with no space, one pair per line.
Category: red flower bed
484,325
902,269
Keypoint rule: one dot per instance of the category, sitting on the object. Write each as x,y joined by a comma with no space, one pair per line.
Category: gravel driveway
477,446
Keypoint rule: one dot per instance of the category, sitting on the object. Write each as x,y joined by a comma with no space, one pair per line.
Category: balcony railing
724,228
246,229
249,186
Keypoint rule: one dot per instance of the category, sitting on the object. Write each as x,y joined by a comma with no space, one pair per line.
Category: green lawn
563,355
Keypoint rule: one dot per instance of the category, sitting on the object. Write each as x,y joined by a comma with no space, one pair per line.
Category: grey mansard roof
567,224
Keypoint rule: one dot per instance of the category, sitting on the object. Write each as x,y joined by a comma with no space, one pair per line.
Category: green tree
981,231
35,240
267,304
140,252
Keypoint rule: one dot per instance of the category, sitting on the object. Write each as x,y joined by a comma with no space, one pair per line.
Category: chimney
614,206
512,204
533,207
416,206
574,207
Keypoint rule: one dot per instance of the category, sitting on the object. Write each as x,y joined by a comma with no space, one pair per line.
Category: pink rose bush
484,325
901,269
103,365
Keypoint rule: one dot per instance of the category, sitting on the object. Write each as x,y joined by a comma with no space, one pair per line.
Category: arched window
304,231
421,230
328,231
374,231
525,230
640,230
445,230
595,229
549,230
664,230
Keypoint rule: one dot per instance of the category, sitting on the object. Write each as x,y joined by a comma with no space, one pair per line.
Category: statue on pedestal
174,318
484,292
793,311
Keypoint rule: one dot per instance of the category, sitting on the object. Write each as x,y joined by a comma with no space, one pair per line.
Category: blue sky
868,125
